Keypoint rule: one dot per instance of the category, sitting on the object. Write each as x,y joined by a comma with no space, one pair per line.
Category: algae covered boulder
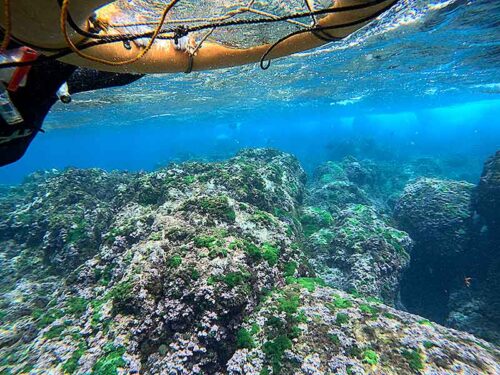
487,194
350,243
329,172
181,262
362,173
332,188
475,306
314,219
335,196
62,215
335,184
437,215
311,329
361,252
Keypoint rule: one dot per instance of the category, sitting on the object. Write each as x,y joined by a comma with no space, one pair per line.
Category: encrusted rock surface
63,215
436,214
454,273
332,188
180,263
487,195
351,243
360,251
308,329
201,268
475,307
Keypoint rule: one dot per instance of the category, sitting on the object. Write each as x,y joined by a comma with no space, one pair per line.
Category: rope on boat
181,27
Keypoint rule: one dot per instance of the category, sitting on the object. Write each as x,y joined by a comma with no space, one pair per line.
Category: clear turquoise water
421,81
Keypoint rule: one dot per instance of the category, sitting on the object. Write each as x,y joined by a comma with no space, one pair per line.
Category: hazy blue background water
422,80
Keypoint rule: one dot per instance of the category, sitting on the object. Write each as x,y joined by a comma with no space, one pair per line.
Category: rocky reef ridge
203,268
352,243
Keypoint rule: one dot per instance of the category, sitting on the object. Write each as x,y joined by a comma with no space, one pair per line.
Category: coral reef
487,195
318,330
475,307
202,268
351,243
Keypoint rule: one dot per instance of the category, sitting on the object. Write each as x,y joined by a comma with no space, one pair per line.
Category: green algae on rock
393,342
140,300
200,268
358,250
437,215
351,242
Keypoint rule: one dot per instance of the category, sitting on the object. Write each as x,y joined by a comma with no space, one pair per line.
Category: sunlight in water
337,213
419,53
201,12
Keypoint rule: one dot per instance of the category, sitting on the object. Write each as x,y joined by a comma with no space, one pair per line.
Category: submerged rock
332,188
475,305
361,252
454,273
310,329
199,268
350,242
189,252
437,216
487,195
476,309
62,215
334,196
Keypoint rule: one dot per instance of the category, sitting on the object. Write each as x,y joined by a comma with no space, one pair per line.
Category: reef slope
198,268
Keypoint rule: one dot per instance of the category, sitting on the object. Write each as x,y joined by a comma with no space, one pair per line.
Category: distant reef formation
437,215
241,267
350,241
454,274
476,307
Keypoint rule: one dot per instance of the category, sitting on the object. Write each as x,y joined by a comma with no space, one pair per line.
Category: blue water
421,81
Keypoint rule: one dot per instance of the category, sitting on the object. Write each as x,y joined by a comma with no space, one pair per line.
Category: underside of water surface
338,213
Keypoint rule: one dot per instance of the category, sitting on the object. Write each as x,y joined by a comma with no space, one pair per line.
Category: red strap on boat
28,55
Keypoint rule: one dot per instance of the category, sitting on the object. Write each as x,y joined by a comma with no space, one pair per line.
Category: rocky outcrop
63,215
360,251
475,306
437,215
308,329
487,195
454,272
332,188
351,244
200,268
180,264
